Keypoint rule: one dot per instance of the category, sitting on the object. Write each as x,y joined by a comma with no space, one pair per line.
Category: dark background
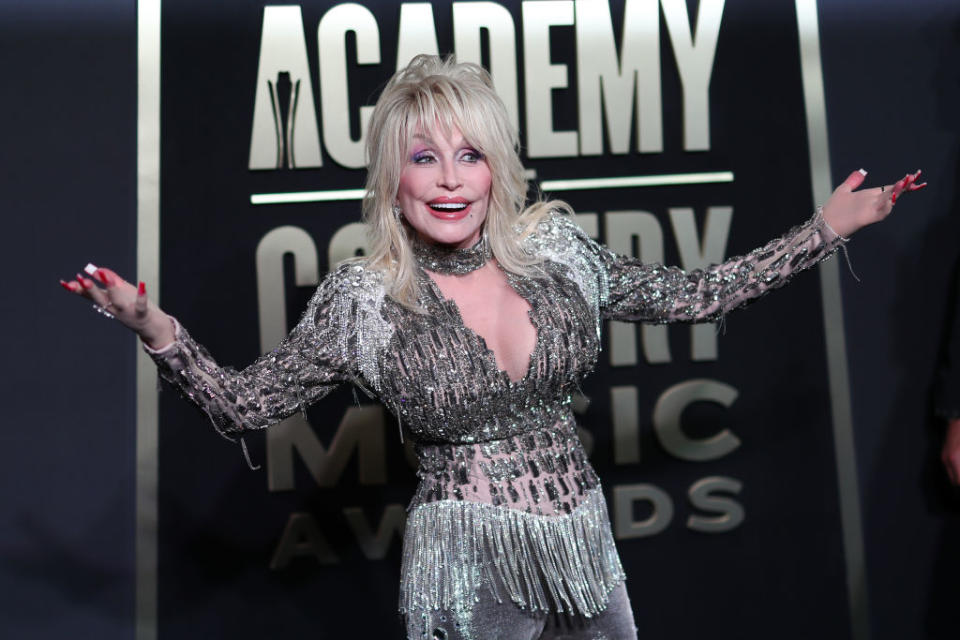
69,185
219,525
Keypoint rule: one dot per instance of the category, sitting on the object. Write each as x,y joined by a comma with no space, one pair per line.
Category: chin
451,235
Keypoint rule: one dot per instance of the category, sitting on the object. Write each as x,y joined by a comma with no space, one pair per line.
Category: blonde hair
429,92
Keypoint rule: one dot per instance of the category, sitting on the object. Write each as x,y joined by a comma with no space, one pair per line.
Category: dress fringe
542,563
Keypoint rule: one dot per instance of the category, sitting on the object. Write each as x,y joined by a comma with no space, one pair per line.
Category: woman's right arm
305,366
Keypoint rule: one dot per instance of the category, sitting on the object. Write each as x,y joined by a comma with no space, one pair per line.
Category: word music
362,435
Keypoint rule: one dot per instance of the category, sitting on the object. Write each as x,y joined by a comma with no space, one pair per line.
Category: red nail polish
102,275
893,198
66,286
83,282
142,289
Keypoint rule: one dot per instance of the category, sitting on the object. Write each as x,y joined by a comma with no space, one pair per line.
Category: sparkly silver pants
492,620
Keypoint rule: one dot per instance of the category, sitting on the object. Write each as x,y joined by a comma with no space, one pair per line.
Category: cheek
484,182
408,188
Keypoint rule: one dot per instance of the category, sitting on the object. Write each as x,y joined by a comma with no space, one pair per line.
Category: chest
444,378
490,307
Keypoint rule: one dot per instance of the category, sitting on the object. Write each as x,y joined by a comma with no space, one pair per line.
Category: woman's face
444,188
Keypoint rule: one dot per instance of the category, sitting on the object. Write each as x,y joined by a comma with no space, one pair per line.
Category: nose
450,176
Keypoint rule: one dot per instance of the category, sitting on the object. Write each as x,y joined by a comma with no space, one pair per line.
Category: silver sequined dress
507,499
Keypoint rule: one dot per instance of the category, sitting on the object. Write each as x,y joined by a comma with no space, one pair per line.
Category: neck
448,260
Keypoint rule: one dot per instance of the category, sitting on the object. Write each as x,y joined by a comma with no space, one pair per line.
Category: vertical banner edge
837,366
148,271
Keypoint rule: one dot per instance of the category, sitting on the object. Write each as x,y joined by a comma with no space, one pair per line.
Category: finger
898,188
885,202
910,184
85,284
903,185
71,286
105,276
855,179
92,292
141,304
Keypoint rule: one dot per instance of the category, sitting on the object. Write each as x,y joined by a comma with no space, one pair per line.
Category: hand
848,210
126,303
951,451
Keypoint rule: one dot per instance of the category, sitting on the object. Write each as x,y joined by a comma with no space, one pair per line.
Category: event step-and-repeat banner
715,444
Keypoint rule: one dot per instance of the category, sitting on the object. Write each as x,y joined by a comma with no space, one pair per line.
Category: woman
473,319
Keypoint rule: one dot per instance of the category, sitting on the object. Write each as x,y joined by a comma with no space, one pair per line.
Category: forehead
438,135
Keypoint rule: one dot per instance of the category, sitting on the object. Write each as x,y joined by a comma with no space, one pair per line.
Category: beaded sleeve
659,294
319,353
623,288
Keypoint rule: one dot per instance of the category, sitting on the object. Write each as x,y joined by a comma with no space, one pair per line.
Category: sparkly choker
451,261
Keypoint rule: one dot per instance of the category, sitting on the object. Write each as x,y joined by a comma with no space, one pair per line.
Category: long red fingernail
102,275
893,198
142,289
66,286
83,282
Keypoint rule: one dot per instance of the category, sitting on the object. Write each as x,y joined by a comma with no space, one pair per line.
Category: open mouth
449,208
446,207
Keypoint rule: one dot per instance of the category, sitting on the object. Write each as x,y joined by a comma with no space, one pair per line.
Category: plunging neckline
488,353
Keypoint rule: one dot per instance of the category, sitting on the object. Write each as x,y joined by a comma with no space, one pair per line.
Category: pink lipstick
451,209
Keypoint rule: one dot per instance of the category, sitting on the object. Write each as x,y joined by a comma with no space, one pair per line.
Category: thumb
855,179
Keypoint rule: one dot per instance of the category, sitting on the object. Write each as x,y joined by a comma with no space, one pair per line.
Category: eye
471,155
422,157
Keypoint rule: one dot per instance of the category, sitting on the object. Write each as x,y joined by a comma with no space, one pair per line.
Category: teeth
449,206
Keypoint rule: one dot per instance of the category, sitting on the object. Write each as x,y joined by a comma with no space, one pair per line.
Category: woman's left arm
659,294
